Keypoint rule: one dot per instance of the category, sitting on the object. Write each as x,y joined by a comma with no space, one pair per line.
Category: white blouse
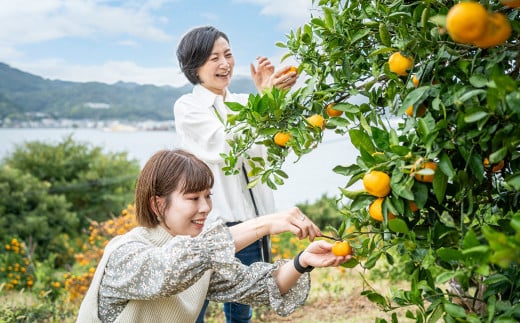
202,133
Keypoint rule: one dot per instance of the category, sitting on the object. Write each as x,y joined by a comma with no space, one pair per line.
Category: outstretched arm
292,220
317,254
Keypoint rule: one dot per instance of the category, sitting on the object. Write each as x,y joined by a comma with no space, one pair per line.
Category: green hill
24,96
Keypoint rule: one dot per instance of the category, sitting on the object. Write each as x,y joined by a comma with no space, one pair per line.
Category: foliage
29,212
94,183
15,267
460,249
324,212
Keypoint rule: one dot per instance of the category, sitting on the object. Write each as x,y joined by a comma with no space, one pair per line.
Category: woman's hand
292,220
319,254
264,76
283,79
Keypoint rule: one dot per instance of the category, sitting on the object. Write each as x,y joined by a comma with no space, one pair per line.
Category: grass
335,297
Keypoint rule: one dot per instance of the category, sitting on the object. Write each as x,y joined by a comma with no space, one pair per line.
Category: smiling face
215,74
186,212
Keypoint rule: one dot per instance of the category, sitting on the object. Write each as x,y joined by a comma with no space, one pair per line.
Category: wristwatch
299,267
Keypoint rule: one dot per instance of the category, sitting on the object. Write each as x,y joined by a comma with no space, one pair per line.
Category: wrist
261,228
301,268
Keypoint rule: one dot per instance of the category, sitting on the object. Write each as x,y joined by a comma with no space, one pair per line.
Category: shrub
96,185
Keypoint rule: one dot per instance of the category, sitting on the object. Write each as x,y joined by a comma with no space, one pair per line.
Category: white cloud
27,21
126,21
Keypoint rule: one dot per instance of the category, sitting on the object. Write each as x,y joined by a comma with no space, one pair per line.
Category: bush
28,211
96,185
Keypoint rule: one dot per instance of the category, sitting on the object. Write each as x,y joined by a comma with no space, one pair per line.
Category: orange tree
455,227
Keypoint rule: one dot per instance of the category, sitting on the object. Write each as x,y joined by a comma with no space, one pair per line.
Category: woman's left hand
292,220
319,254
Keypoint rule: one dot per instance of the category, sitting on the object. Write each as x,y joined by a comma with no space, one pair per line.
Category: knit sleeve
139,270
255,285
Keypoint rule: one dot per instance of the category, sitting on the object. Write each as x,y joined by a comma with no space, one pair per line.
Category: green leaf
478,80
372,260
445,276
454,310
514,181
498,155
470,240
351,194
475,116
375,297
446,166
361,140
398,225
440,183
469,94
416,96
449,254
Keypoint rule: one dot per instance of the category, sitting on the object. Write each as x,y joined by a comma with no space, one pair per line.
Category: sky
135,40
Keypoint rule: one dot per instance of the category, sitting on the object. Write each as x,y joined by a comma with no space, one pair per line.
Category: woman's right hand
292,220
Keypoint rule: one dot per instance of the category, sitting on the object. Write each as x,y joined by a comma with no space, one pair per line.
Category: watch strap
299,267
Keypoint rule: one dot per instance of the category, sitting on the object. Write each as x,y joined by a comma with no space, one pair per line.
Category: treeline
24,96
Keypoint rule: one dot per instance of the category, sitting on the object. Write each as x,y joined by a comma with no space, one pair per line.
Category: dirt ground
335,297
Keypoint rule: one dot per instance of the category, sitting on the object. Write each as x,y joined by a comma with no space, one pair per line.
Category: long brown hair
165,172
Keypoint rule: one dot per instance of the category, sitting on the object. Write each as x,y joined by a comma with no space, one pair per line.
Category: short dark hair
195,48
165,172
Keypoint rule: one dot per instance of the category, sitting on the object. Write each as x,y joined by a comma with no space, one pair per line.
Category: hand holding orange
341,248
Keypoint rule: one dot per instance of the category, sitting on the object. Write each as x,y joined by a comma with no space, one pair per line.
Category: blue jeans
236,312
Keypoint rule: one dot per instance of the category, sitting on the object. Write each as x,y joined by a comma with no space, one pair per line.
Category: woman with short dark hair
206,59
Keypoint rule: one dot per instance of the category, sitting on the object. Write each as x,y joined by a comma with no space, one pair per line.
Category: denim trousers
236,312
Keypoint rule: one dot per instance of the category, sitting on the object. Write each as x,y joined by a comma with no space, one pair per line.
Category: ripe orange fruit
375,209
316,120
511,3
291,69
420,112
400,64
419,164
331,112
281,138
466,21
415,81
341,248
377,183
498,30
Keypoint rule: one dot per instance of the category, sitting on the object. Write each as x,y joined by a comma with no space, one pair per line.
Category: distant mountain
24,96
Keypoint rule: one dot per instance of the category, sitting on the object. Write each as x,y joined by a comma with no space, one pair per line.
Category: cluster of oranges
377,184
470,23
15,268
315,121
